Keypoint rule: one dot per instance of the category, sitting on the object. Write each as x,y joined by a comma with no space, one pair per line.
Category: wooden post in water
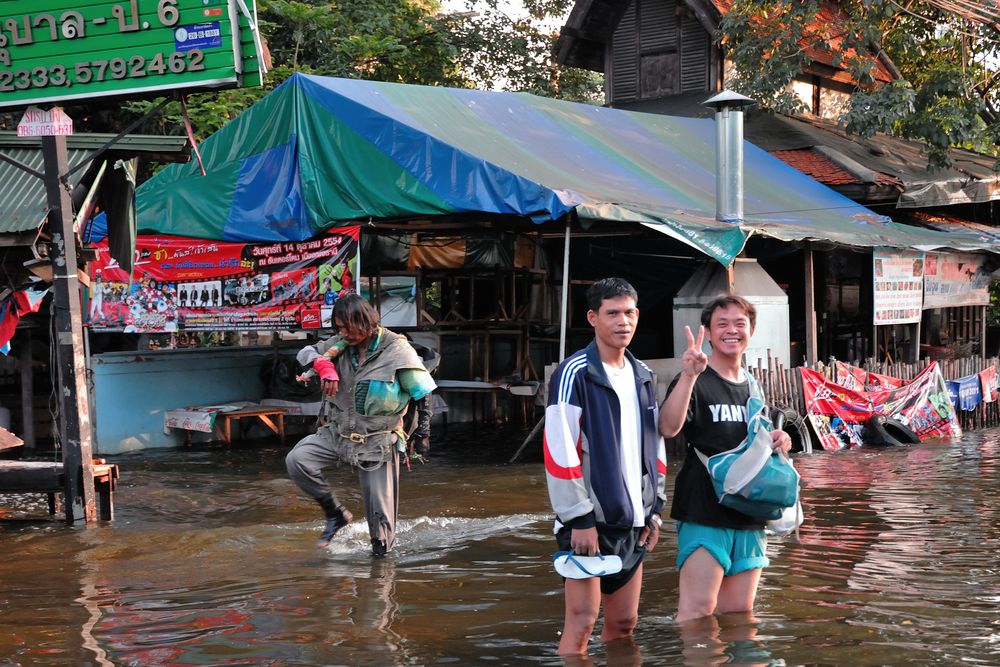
812,353
27,393
982,334
564,323
74,409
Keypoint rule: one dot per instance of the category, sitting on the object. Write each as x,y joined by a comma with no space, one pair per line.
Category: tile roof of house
944,222
826,171
818,166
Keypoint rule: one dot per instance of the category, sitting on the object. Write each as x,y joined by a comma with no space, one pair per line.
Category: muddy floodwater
211,561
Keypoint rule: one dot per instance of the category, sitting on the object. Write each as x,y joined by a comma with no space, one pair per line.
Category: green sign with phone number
54,51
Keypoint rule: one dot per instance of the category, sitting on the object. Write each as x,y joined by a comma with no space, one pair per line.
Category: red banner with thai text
854,377
838,413
184,284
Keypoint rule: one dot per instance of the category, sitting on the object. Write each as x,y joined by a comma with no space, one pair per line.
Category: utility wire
936,22
975,11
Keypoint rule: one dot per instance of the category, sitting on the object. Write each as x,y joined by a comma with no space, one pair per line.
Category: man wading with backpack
369,375
720,551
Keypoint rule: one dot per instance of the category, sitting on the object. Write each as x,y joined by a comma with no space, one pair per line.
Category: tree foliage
993,312
384,40
949,65
502,48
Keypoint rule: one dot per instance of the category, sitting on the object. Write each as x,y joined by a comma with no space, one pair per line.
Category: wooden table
224,422
48,478
522,395
8,440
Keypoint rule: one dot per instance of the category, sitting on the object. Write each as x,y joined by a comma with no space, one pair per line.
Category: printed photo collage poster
898,286
838,412
184,284
908,282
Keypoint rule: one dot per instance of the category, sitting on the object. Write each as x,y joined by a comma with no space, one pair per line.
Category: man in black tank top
721,552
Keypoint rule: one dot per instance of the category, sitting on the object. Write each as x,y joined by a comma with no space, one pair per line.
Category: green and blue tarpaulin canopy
320,152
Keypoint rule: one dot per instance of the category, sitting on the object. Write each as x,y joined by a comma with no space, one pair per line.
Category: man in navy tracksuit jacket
605,465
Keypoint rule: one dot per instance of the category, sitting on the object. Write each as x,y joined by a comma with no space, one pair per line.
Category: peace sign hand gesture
694,360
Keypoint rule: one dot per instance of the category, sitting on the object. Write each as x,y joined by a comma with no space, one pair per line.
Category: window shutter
695,55
625,59
657,25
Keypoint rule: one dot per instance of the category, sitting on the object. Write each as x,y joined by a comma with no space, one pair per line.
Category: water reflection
211,561
894,552
618,653
727,639
89,600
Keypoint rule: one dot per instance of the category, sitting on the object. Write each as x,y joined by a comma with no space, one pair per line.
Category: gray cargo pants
379,487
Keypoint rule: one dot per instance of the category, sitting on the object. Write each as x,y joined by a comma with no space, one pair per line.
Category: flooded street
211,561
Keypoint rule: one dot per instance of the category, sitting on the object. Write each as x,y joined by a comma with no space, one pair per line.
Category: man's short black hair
724,301
609,288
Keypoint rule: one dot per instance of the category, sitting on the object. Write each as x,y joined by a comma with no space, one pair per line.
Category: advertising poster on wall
838,413
954,279
184,284
898,286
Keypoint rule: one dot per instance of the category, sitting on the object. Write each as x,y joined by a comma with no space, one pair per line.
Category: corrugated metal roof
22,196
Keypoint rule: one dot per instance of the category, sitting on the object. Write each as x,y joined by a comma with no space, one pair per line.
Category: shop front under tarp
321,152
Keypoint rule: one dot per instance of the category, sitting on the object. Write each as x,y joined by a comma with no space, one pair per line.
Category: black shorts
623,543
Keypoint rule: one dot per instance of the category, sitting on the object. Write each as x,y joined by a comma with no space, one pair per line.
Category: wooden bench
224,421
8,440
218,420
48,478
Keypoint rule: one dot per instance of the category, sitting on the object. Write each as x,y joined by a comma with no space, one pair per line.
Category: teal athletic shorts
735,550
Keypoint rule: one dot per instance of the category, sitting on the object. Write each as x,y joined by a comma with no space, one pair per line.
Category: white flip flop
574,566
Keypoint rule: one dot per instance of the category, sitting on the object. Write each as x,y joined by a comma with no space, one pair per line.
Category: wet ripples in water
211,561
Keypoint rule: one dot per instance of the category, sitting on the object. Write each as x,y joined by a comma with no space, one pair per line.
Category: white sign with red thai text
38,122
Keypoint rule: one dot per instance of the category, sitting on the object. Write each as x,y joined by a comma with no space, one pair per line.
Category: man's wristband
657,519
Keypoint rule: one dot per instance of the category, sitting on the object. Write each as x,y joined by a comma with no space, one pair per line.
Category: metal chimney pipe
729,154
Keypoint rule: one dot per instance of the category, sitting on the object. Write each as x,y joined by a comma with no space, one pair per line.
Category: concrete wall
133,389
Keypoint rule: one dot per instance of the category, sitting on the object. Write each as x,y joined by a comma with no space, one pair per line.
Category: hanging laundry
988,382
14,307
965,392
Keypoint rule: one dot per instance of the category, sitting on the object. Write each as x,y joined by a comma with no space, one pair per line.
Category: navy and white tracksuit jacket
582,444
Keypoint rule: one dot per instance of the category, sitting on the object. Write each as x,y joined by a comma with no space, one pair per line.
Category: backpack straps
755,393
